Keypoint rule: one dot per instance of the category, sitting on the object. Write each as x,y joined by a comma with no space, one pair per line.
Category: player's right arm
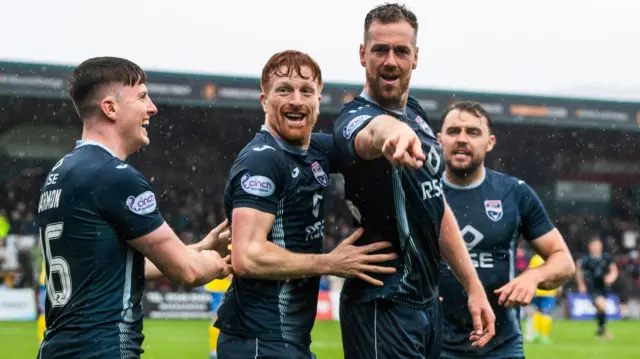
126,200
367,134
181,264
256,188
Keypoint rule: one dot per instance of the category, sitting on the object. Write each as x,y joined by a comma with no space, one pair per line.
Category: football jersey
91,204
594,269
492,215
290,183
402,205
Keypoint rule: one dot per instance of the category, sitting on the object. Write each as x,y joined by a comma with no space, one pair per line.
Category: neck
400,104
97,133
465,180
274,133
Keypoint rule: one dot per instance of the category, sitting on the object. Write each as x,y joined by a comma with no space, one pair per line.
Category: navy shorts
234,347
382,329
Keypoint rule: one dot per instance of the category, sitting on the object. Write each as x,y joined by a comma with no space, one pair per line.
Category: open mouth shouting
389,78
461,154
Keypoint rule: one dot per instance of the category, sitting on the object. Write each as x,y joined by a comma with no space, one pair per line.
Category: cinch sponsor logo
353,125
258,185
144,203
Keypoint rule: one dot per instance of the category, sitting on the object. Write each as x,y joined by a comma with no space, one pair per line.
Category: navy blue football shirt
290,183
492,215
91,204
401,205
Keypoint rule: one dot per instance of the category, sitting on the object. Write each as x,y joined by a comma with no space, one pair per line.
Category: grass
187,339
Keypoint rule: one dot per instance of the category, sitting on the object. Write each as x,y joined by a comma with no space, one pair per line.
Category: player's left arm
546,241
455,253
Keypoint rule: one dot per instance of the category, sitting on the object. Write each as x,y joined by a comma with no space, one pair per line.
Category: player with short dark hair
275,201
596,272
494,210
99,219
395,193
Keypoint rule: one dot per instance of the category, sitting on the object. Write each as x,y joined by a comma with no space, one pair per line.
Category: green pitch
176,339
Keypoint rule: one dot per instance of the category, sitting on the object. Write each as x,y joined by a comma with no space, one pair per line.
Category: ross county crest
493,208
318,172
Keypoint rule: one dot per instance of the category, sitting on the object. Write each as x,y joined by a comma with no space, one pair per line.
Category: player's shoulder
261,149
359,108
262,154
414,105
608,257
321,143
507,182
114,170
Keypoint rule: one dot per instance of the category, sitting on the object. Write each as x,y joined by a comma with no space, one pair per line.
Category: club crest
493,208
424,126
318,172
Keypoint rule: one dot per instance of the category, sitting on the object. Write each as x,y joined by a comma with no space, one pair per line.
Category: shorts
545,305
381,329
599,291
234,347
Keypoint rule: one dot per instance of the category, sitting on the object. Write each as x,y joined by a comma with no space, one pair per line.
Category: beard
465,171
389,97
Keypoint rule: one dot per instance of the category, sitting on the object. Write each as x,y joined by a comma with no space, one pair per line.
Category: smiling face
291,106
291,86
389,55
133,110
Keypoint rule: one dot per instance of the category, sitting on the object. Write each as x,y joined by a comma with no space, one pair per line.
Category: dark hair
388,14
470,107
93,74
293,61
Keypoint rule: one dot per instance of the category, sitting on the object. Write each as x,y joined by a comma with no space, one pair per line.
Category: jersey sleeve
126,199
535,220
258,181
351,120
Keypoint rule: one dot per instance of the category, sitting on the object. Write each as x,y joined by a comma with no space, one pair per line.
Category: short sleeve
351,120
126,199
535,220
257,181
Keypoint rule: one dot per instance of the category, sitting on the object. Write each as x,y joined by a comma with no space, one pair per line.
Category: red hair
286,64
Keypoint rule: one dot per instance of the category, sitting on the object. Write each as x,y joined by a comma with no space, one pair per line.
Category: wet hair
91,76
389,14
469,107
288,63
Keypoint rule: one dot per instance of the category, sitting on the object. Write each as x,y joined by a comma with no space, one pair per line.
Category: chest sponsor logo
493,208
353,125
424,126
144,203
319,174
258,185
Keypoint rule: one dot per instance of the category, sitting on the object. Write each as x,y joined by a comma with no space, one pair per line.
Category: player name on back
49,200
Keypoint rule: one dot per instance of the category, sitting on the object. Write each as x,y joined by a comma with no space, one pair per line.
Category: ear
109,107
415,58
263,102
438,137
363,61
319,103
492,142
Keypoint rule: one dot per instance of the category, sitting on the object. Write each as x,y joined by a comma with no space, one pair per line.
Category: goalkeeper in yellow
41,324
217,288
543,304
